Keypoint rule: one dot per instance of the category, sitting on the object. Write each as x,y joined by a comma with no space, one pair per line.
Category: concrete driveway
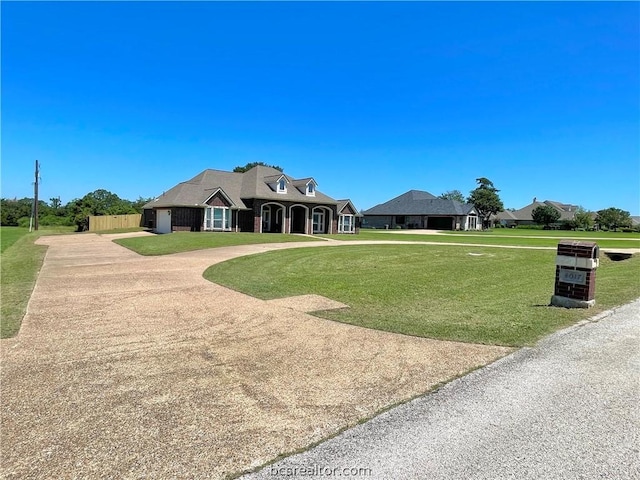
565,409
137,367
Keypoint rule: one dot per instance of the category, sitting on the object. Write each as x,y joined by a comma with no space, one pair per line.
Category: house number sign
573,276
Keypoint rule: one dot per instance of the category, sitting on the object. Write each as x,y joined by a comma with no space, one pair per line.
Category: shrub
530,227
24,222
53,220
567,225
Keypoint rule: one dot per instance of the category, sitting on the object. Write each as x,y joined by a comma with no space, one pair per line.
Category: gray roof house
523,216
262,199
420,209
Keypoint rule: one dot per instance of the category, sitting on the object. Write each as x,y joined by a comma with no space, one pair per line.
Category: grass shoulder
21,260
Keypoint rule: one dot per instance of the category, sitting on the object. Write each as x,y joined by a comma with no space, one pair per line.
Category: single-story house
523,216
419,209
261,199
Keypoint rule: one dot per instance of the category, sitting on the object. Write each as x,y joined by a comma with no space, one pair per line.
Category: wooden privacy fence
112,222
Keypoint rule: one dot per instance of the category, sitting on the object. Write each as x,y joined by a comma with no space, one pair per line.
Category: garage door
440,223
163,221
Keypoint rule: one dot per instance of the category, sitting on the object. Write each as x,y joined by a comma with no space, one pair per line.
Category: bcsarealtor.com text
319,471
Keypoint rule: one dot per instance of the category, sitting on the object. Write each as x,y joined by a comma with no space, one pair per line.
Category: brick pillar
257,217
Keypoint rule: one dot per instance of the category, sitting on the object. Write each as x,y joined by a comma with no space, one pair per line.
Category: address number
573,276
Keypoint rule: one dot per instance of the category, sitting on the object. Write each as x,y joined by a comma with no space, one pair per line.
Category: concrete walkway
137,367
565,409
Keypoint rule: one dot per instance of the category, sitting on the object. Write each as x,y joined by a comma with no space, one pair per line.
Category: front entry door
318,222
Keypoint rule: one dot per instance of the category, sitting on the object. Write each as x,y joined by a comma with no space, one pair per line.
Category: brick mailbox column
576,264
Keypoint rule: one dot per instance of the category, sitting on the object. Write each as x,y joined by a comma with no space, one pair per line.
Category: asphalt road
565,409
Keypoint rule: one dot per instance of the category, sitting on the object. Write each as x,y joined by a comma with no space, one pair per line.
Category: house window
311,191
400,219
282,186
345,224
217,218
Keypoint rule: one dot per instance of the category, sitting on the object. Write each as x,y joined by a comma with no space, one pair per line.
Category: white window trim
321,215
311,189
341,218
281,186
227,219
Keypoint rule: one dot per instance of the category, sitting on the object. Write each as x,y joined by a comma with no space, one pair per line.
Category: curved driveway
137,367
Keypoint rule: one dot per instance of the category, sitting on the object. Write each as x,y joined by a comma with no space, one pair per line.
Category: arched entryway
272,218
299,215
321,218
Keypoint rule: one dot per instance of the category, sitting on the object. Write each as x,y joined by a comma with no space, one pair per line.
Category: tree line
487,202
17,212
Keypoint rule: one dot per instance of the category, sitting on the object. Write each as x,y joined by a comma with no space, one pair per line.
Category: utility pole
35,198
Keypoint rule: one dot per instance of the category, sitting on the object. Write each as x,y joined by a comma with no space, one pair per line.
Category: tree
250,165
55,203
545,215
140,202
14,210
486,200
612,218
582,218
453,195
98,202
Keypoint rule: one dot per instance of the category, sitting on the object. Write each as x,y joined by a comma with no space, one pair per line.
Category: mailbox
576,264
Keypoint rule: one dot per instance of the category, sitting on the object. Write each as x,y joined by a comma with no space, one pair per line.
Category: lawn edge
36,275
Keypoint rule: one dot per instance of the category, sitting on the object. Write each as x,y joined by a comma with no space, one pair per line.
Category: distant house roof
237,187
567,211
417,202
505,215
635,220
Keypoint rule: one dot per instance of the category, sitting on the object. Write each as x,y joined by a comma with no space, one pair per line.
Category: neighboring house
635,221
419,209
262,199
523,216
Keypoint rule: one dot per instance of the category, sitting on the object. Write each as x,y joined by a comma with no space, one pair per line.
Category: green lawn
491,238
499,297
9,236
20,262
187,241
523,232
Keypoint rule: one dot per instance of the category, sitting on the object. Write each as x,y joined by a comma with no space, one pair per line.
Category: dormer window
282,186
311,190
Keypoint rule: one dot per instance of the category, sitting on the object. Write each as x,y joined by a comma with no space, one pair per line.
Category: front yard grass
186,241
469,294
19,264
603,241
10,235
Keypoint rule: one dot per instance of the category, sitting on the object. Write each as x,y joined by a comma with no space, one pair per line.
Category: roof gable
347,207
237,187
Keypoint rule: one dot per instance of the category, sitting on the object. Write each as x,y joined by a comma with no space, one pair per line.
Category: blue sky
371,99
